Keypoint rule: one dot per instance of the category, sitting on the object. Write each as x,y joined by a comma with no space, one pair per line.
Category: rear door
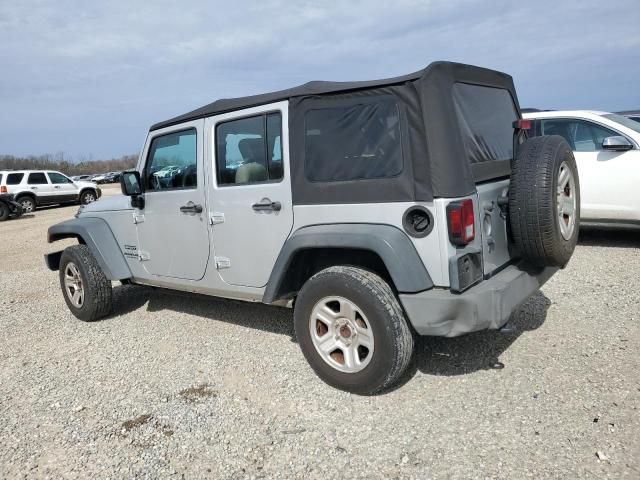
38,183
250,199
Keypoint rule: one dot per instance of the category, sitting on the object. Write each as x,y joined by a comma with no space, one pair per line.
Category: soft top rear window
486,116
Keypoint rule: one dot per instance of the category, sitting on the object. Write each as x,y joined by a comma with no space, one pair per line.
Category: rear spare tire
544,201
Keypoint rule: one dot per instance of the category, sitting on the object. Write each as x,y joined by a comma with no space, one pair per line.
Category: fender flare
391,244
95,234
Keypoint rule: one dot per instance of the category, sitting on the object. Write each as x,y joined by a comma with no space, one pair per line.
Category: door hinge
216,218
222,262
138,217
143,256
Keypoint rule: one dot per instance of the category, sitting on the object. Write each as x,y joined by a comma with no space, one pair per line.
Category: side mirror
131,186
616,143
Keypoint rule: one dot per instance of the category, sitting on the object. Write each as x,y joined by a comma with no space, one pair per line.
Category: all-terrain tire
97,301
392,337
534,213
4,211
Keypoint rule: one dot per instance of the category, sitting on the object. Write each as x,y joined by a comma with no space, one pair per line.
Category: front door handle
191,207
266,204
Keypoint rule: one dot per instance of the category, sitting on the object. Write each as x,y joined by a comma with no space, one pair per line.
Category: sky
87,79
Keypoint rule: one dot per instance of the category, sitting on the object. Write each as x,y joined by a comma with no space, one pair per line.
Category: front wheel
87,197
352,330
86,289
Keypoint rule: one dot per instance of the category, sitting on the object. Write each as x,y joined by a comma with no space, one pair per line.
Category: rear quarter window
486,116
14,178
353,142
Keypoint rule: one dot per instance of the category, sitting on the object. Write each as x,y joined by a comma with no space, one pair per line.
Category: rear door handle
191,207
266,204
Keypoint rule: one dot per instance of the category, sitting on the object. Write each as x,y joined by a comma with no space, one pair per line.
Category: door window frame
214,134
146,158
588,120
282,108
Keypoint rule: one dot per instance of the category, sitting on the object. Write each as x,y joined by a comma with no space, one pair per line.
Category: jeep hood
106,204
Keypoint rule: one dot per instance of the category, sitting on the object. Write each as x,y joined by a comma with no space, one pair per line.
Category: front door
173,234
64,190
250,200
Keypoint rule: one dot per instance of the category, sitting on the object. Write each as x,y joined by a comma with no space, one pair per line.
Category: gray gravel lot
177,386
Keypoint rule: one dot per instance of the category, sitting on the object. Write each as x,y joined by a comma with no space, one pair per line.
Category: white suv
33,188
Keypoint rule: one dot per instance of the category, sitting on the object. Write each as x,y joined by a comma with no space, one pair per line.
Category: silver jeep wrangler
378,210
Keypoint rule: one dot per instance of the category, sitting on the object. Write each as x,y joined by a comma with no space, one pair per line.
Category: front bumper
98,192
488,305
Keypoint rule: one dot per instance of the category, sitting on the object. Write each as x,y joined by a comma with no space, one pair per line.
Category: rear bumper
488,305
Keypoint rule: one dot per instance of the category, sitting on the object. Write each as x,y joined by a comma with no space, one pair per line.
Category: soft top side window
360,141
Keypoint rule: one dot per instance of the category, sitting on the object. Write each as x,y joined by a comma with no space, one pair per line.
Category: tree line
59,163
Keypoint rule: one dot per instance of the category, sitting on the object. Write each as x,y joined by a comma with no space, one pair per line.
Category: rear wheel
352,330
87,291
27,203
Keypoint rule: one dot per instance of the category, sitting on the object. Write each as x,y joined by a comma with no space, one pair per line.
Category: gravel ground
177,386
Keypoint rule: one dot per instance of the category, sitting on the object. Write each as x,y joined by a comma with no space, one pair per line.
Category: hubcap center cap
345,331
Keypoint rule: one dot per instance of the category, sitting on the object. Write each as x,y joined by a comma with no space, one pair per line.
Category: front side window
581,135
354,142
172,162
37,178
485,116
58,179
249,150
14,178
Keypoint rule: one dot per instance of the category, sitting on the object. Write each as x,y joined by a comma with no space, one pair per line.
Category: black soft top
443,155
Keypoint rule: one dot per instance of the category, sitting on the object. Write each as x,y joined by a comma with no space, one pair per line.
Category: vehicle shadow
609,238
278,320
433,355
475,351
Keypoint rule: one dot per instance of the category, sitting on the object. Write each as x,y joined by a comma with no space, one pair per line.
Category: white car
607,151
33,188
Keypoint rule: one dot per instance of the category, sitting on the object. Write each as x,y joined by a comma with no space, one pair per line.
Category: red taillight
3,189
461,222
522,124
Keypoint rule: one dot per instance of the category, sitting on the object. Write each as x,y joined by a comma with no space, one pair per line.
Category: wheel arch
383,249
26,193
98,237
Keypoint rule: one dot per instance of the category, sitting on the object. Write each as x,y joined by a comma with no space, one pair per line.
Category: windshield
627,122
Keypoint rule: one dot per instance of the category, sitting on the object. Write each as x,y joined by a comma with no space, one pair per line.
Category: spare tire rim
341,334
73,285
566,201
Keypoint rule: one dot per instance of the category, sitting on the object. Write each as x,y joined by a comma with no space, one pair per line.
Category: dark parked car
9,208
632,114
